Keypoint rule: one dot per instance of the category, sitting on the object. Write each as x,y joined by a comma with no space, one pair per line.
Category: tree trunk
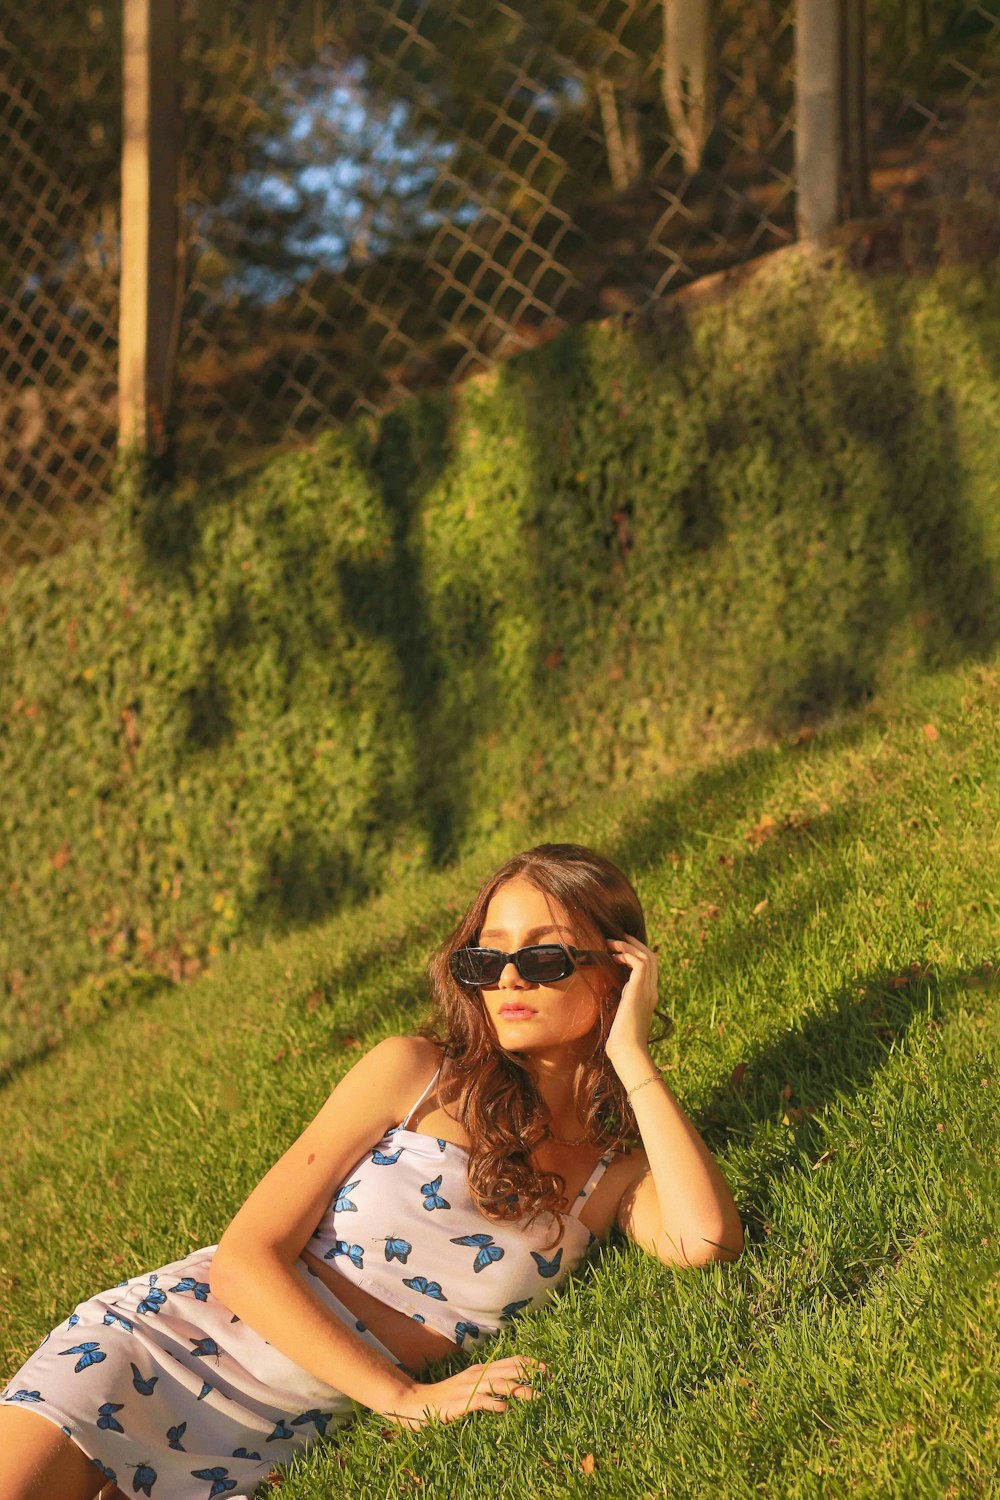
687,76
615,145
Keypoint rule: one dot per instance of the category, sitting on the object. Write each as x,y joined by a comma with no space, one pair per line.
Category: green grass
845,953
249,703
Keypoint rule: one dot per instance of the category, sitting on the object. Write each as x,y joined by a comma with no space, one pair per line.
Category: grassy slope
850,1350
270,697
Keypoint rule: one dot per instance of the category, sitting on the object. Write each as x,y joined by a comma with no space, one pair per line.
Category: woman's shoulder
419,1054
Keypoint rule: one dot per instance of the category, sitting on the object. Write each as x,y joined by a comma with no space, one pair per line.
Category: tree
688,74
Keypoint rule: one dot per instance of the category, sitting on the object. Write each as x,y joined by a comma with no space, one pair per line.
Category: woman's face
517,916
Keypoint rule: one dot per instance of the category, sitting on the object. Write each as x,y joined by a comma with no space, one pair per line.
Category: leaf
930,733
761,830
759,907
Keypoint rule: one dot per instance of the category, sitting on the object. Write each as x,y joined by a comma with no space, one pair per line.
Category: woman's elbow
725,1245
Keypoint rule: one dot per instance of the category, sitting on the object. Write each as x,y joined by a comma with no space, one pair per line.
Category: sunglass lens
543,965
472,966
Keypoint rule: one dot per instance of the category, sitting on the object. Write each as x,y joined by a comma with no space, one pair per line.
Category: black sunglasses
542,963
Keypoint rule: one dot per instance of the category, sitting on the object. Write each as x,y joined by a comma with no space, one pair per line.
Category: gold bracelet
635,1087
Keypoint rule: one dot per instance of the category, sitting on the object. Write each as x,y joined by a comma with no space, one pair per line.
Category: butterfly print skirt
174,1397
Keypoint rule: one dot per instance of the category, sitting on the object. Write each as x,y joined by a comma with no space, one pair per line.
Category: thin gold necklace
559,1141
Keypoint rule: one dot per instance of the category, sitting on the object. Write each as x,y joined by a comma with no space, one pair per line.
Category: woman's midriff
414,1343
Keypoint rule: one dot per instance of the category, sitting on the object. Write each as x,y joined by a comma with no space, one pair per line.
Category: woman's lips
517,1013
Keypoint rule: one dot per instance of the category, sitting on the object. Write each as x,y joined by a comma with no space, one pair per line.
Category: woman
353,1266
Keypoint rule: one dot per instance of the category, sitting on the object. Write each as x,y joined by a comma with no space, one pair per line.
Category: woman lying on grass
449,1183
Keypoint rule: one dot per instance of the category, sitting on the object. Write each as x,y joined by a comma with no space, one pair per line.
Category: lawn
826,914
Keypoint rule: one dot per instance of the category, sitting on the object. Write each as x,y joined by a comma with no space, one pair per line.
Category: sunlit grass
825,913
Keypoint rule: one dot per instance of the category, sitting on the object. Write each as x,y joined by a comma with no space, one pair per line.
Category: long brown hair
498,1103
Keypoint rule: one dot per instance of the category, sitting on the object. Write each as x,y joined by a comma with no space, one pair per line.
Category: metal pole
818,40
148,219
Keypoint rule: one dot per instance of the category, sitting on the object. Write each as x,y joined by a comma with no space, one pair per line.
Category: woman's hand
482,1387
630,1027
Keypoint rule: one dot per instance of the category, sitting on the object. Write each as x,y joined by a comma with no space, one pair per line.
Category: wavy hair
497,1101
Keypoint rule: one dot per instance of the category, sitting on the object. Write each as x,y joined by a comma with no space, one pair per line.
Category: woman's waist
416,1343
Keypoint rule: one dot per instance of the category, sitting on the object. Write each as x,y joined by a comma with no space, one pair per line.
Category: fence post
146,333
818,73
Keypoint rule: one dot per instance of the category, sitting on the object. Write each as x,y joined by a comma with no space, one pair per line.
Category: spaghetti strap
583,1197
423,1096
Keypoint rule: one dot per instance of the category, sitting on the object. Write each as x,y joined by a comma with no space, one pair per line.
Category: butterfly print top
405,1228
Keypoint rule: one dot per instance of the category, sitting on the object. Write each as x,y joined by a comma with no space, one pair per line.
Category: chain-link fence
60,140
384,195
488,174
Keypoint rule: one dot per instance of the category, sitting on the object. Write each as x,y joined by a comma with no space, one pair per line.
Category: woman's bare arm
272,1299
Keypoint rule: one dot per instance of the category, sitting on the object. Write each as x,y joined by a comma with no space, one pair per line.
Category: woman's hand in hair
630,1029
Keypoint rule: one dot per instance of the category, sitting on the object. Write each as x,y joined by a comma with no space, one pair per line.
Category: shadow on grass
661,826
885,405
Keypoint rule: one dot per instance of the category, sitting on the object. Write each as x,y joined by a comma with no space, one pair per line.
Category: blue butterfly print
318,1418
381,1160
418,1319
107,1419
204,1346
145,1478
90,1354
219,1476
429,1288
548,1267
398,1247
343,1204
462,1328
205,1388
189,1284
432,1198
489,1252
110,1317
175,1434
511,1309
281,1431
72,1320
143,1385
354,1253
154,1299
26,1395
108,1473
242,1453
120,1283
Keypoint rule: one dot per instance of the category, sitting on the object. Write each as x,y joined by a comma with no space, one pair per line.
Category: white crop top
405,1228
